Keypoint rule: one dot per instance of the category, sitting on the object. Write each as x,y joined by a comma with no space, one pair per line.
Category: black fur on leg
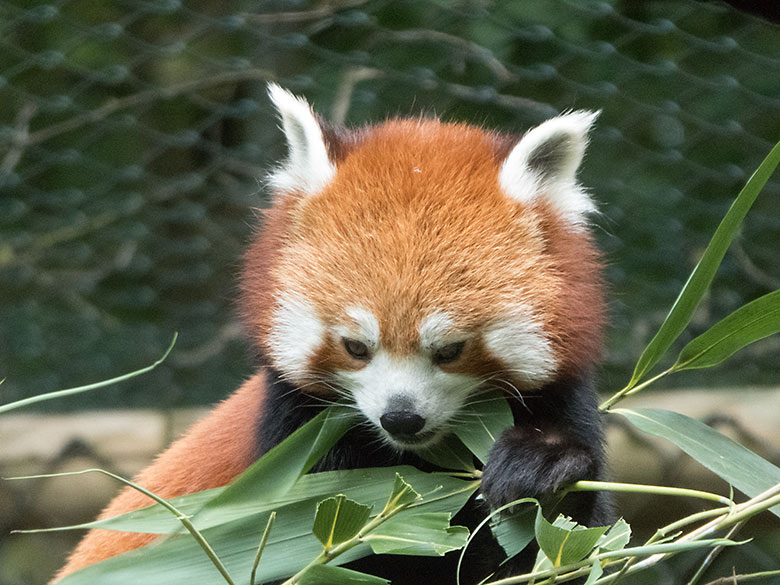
557,440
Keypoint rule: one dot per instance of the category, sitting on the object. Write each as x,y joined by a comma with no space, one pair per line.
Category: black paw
530,464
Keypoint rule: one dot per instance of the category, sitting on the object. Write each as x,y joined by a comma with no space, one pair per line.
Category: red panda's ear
307,168
543,164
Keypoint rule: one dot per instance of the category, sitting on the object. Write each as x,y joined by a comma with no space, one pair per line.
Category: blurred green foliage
134,136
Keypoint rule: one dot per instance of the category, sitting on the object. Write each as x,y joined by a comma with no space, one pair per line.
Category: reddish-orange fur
418,207
213,452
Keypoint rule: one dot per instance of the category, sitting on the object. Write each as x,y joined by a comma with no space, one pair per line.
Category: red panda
405,267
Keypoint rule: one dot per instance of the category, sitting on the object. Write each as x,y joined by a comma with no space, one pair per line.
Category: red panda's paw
532,464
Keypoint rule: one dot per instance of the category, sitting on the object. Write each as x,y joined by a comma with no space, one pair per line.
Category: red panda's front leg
556,441
530,462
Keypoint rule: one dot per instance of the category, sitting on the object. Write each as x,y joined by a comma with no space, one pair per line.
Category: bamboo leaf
699,281
515,530
750,323
427,534
596,571
327,575
617,538
361,485
565,542
276,472
746,471
402,495
291,544
449,453
484,420
338,519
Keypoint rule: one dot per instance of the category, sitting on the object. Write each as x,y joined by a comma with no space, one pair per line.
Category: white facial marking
436,330
307,169
435,395
365,329
296,333
367,324
544,164
520,342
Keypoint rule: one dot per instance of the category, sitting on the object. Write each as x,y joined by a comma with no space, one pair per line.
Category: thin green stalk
744,578
629,390
592,486
713,555
759,503
667,530
737,514
261,546
183,518
640,551
661,490
743,512
675,526
80,389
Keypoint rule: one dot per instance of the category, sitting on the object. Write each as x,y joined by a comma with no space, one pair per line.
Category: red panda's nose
402,422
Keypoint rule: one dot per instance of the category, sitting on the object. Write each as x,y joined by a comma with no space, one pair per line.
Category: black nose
402,422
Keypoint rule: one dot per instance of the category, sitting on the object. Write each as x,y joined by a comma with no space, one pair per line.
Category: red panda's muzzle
401,420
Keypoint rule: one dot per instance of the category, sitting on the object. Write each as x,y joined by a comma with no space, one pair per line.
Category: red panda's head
409,264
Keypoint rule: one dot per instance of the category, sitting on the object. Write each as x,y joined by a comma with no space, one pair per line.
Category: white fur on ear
544,164
307,168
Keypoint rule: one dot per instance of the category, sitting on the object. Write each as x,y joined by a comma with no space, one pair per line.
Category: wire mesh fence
134,137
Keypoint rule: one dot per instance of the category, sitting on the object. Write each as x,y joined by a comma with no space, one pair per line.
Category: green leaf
276,472
736,464
596,571
483,421
564,541
427,534
402,495
699,281
449,453
617,538
756,320
515,530
564,522
338,519
291,544
327,575
542,563
358,484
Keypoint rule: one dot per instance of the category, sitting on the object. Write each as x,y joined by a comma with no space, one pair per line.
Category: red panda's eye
357,349
449,353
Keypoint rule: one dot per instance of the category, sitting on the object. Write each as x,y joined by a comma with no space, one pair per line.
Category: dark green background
124,211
